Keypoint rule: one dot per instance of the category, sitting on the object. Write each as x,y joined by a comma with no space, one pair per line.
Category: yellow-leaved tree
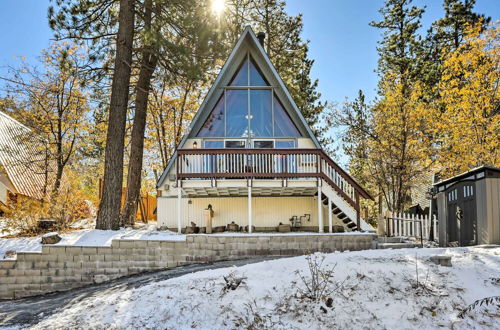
469,121
400,149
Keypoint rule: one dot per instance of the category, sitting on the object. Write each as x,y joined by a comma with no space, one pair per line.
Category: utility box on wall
469,208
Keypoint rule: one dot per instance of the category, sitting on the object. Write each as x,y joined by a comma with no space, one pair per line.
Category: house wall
267,212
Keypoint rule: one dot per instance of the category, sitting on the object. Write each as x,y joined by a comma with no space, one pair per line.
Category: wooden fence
412,225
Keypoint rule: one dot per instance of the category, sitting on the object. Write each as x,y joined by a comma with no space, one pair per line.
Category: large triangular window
248,108
214,125
248,74
283,124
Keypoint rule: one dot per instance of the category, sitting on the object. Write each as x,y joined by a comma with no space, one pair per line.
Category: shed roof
472,174
20,157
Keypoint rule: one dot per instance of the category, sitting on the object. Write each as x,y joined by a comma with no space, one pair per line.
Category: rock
51,238
46,223
11,254
284,228
329,302
442,260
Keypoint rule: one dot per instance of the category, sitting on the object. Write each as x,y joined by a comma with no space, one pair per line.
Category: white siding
267,211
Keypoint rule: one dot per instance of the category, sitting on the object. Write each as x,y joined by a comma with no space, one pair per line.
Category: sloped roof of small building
20,157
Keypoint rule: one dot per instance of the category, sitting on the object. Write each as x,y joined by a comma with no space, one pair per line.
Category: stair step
347,220
383,239
397,245
351,225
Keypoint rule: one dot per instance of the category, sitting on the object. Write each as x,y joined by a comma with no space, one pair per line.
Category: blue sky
343,45
341,41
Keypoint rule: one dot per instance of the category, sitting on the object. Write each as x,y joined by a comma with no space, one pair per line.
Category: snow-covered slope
378,291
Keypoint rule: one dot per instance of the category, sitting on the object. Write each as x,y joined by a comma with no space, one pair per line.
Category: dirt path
29,311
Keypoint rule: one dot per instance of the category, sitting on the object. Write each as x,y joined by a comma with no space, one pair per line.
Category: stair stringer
342,204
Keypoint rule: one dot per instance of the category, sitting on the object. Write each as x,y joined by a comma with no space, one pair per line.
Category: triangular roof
247,43
20,158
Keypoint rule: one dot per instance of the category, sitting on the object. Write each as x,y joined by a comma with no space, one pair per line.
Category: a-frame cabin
250,154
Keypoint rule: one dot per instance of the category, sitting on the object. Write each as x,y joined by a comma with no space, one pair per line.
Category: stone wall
59,268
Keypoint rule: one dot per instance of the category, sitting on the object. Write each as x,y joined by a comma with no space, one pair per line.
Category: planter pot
284,228
233,227
253,229
219,229
338,229
192,230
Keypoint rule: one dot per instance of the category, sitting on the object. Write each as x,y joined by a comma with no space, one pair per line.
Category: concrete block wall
59,268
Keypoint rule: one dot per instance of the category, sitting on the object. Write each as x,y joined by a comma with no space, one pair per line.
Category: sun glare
218,6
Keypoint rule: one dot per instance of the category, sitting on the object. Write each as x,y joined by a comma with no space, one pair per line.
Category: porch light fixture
195,145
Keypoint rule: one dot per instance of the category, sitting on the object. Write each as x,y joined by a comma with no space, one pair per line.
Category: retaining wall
59,268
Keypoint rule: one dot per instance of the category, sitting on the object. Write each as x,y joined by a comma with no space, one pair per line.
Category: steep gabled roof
247,42
20,158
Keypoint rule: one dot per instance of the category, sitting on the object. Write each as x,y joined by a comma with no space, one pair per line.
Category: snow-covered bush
318,284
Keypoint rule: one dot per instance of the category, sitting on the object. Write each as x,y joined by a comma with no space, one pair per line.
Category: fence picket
412,225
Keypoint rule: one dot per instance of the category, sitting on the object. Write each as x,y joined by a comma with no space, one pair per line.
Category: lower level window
284,144
265,144
213,144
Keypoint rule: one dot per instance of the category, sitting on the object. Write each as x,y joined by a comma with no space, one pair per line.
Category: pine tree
286,49
446,35
401,46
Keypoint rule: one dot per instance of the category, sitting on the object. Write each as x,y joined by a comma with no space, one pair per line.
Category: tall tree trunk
109,209
148,65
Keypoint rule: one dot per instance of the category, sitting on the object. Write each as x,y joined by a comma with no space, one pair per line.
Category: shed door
462,222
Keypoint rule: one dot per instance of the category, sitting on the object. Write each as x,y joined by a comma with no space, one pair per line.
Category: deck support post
320,210
249,206
330,222
179,214
358,210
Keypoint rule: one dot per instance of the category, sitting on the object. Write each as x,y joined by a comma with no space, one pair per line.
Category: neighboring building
21,164
469,208
250,154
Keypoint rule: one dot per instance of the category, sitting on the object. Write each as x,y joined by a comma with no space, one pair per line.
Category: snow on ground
5,229
89,237
378,289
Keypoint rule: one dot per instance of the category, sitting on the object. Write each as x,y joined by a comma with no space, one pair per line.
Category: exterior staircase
342,209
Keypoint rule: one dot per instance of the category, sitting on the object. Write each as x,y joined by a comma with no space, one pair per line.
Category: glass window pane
237,113
263,144
261,113
214,125
283,124
241,76
235,144
256,76
284,144
213,144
